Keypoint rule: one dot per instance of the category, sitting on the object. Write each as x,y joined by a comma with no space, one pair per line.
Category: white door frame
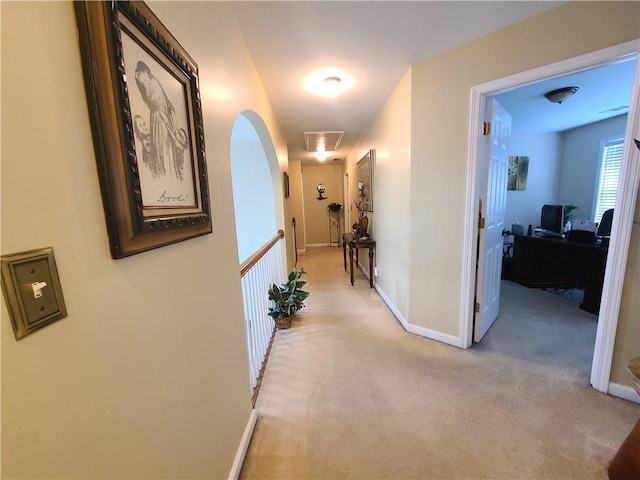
625,203
347,206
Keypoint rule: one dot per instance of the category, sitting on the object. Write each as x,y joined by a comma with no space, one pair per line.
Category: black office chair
604,229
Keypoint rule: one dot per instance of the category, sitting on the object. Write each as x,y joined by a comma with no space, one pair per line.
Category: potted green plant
568,212
287,299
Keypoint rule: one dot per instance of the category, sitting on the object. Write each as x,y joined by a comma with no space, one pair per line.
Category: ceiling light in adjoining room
328,82
561,94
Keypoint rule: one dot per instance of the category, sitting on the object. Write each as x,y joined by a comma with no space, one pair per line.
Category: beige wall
390,135
440,91
295,201
147,376
315,211
627,344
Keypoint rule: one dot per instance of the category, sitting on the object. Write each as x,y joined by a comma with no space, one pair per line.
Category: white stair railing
262,269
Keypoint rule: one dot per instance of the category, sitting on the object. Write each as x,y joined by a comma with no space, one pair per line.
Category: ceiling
603,93
373,41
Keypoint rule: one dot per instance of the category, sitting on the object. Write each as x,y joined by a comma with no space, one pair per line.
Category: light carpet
347,393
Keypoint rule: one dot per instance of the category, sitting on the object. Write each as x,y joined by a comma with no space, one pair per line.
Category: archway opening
253,192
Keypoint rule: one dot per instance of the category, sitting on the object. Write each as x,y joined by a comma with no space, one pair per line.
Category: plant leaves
288,298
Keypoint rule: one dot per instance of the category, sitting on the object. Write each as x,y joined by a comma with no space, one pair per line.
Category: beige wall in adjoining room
147,376
440,131
315,211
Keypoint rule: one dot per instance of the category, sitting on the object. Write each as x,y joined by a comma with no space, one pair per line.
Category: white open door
494,195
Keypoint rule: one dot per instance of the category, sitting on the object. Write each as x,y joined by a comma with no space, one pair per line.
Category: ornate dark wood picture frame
146,118
364,176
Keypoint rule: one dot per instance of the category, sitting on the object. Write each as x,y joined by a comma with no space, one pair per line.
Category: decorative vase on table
364,225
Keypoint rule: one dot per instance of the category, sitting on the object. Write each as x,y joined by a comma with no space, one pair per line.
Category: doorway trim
625,204
346,201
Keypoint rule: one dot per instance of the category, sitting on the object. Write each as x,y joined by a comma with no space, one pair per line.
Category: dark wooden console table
354,243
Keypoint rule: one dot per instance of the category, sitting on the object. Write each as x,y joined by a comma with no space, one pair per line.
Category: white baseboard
624,391
365,271
322,245
234,474
416,330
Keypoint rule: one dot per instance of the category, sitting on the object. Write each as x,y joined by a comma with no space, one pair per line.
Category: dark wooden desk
354,243
545,262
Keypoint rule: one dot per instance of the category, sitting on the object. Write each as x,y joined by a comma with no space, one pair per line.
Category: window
607,186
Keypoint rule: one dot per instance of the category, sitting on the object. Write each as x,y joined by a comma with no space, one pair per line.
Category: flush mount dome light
332,82
332,86
561,94
328,82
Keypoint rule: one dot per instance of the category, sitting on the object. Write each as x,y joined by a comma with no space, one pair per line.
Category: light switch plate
32,290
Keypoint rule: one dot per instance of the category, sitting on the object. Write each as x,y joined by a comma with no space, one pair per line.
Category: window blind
610,166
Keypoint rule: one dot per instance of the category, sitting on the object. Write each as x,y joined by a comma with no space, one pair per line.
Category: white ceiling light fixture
561,94
328,82
322,156
332,86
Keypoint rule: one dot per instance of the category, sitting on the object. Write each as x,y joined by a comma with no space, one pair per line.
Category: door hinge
477,307
486,128
481,222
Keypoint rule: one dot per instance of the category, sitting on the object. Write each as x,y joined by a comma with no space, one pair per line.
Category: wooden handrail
251,261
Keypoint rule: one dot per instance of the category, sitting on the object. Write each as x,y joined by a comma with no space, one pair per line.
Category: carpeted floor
349,394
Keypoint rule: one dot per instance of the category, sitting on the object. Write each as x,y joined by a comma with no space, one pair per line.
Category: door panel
495,200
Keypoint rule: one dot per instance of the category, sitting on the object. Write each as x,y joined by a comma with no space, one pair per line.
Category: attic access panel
322,141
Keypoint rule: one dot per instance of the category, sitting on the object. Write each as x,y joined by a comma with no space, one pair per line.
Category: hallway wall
295,202
147,377
390,135
440,132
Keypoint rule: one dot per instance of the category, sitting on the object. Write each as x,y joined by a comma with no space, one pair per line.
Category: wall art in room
518,170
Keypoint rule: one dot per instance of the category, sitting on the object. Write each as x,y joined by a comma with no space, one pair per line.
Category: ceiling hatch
322,141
